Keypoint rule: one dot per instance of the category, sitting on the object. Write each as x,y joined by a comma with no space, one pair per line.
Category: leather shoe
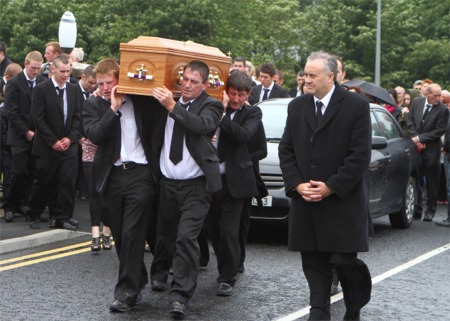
74,222
51,223
158,286
68,226
428,218
34,223
119,306
224,289
9,216
445,223
177,310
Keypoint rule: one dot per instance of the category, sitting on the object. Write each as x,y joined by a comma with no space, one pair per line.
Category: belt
183,181
128,165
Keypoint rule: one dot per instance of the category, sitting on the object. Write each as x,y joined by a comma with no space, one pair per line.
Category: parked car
393,168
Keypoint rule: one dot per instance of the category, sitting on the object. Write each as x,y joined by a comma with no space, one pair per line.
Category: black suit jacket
102,127
200,123
257,147
233,139
338,153
293,92
18,107
47,112
431,130
276,92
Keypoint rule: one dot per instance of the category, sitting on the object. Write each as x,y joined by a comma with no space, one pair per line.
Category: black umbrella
380,94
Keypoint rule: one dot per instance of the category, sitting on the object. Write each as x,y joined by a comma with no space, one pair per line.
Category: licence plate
266,201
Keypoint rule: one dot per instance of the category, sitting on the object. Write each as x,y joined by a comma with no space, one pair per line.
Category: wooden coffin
149,62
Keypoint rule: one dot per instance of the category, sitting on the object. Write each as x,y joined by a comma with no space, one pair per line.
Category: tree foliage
414,33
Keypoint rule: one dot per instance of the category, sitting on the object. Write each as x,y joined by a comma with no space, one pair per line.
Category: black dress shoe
158,286
445,223
177,310
74,222
224,289
428,218
9,216
34,223
119,306
68,226
52,223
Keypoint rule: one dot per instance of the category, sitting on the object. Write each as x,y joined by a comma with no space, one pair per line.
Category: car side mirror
379,142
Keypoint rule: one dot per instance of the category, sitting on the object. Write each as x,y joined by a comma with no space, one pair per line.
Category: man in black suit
324,158
21,131
55,113
298,90
268,89
125,128
236,129
190,168
427,122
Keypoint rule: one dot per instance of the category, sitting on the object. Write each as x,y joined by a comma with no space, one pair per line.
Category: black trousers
22,173
183,209
352,272
243,229
223,229
55,178
429,172
127,202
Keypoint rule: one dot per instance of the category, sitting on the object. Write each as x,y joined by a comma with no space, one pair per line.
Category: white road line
375,280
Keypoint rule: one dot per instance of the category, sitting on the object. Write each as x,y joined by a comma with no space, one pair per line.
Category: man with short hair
298,90
56,115
324,158
427,122
278,78
268,89
239,63
400,96
127,130
21,132
418,85
52,50
236,130
190,169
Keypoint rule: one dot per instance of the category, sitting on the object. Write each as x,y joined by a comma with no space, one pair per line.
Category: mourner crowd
177,173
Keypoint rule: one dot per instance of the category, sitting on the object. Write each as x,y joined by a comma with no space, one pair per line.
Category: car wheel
405,217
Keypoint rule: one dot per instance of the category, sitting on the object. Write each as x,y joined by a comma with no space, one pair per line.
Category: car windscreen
274,120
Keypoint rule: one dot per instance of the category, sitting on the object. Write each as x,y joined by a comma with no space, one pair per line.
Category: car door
378,172
397,156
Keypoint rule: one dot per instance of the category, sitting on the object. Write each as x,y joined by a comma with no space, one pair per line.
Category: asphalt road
410,270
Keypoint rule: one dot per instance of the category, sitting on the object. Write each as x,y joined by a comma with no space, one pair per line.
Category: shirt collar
56,85
326,99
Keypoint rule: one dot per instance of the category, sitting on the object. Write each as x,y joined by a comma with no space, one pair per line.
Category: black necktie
31,84
176,145
60,92
86,94
266,93
319,105
426,112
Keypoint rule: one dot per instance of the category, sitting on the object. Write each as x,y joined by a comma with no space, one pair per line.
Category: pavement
18,235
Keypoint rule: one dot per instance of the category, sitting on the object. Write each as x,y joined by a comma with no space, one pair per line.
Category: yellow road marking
61,249
47,258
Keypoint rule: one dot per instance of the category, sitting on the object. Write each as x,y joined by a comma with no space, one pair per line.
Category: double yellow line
44,256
